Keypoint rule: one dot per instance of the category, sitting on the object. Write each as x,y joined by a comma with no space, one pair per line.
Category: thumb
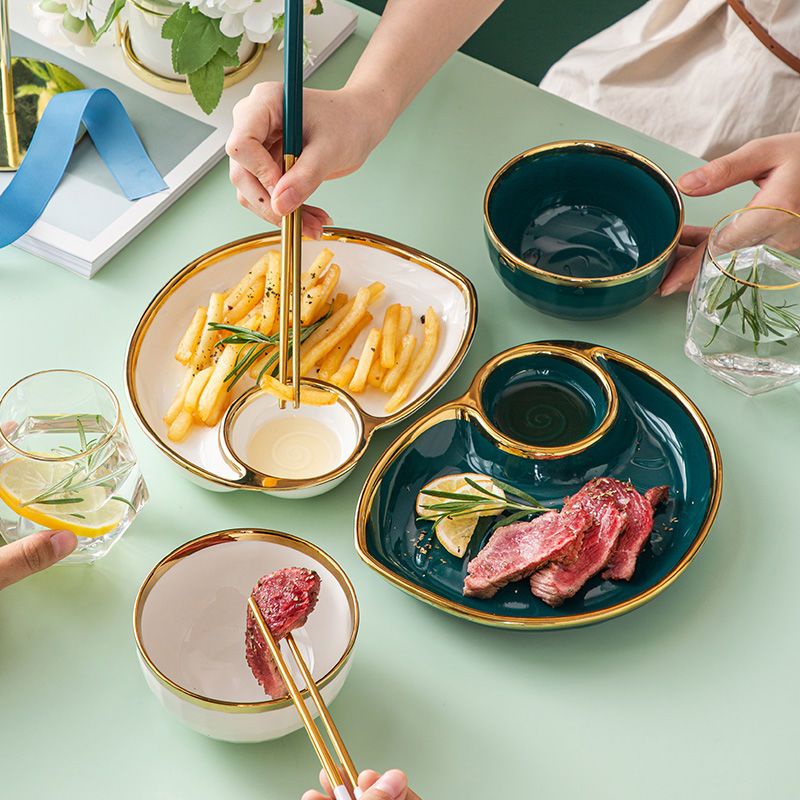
749,162
33,554
392,785
298,183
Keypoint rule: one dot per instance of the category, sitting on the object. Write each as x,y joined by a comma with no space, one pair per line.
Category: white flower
78,8
254,18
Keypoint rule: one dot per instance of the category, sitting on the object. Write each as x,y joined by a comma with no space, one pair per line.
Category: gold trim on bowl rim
223,537
329,234
570,280
456,410
181,85
106,438
735,278
510,445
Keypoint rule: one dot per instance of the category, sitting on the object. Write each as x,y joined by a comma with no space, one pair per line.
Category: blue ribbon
40,172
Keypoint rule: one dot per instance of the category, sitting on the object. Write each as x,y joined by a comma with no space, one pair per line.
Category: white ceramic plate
411,278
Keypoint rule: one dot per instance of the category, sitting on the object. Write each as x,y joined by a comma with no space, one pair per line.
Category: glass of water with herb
66,462
743,322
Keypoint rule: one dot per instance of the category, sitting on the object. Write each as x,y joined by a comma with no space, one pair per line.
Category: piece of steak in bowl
556,583
514,551
639,509
286,598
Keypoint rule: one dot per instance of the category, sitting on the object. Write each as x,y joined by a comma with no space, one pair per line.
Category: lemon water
95,490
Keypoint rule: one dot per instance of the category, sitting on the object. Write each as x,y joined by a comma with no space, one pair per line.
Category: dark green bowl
580,229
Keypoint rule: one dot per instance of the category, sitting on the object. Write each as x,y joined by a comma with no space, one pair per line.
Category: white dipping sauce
294,447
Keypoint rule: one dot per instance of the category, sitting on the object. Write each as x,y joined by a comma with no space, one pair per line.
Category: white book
89,219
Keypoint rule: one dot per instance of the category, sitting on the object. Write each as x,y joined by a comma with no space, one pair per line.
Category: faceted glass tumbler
743,322
66,462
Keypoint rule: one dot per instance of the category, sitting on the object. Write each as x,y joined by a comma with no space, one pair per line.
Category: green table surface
694,695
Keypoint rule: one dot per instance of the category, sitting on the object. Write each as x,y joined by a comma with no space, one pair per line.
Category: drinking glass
743,322
66,462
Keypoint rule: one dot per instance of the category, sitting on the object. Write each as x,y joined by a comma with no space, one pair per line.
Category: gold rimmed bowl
216,457
582,229
609,415
189,627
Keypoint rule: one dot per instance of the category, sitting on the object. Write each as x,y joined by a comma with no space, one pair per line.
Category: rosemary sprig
757,315
254,345
485,502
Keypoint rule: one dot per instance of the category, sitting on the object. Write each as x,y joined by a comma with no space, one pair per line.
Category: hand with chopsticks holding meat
342,127
281,602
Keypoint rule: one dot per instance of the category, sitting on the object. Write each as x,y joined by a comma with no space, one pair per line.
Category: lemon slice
457,484
454,533
93,515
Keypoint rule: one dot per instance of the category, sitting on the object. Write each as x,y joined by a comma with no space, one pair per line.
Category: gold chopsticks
318,742
290,296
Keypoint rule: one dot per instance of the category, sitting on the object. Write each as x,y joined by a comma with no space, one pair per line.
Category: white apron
690,73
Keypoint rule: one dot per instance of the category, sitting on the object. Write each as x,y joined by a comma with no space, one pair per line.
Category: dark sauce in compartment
543,413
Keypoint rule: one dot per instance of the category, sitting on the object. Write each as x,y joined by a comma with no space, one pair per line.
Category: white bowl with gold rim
189,625
215,457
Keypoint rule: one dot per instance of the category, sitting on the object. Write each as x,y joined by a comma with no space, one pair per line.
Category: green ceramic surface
598,180
655,440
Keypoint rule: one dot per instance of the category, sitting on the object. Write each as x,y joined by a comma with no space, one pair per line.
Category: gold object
290,299
569,280
324,755
11,158
251,480
181,85
736,278
463,408
234,535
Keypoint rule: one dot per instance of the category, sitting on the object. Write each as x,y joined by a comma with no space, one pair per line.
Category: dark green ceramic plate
658,437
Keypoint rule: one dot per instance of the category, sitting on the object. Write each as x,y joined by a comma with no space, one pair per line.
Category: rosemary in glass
759,316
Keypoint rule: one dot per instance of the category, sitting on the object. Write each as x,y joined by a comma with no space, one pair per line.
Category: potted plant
199,40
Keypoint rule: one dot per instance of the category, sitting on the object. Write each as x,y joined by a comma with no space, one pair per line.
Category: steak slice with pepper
285,598
515,551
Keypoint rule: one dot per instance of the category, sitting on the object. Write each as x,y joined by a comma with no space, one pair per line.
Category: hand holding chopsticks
340,791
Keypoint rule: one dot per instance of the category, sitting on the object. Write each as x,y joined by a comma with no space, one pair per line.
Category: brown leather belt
762,34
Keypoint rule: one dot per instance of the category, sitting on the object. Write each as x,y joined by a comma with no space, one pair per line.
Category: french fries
368,352
387,359
308,394
421,362
188,344
391,323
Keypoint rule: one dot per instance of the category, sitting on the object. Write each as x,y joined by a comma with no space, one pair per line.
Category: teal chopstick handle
293,78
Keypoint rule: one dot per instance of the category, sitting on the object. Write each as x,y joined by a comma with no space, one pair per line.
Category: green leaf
72,24
53,6
123,500
199,43
36,68
173,29
788,259
113,12
206,82
318,9
27,89
230,44
60,501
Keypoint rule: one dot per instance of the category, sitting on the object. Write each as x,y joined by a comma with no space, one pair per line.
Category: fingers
314,165
683,272
33,554
693,235
257,123
392,785
748,163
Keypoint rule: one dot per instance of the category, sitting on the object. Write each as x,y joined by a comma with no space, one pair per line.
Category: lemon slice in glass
88,513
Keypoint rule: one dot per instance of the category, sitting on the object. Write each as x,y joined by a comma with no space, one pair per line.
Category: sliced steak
639,509
657,495
556,583
285,598
515,551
